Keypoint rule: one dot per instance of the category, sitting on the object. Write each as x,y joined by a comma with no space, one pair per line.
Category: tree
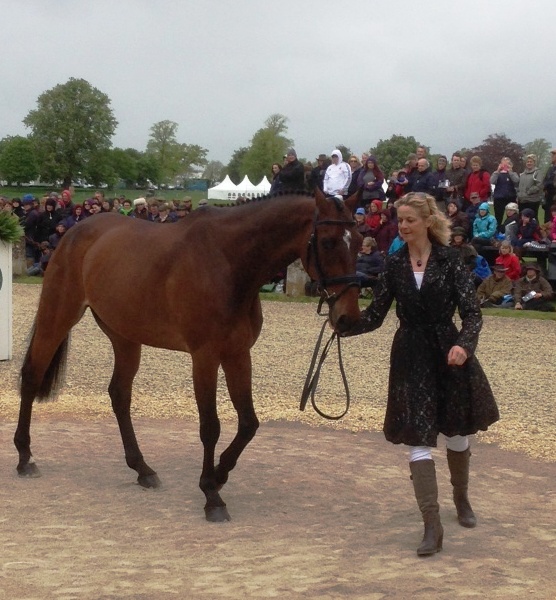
392,154
495,147
72,121
164,146
172,157
541,149
268,145
214,171
100,169
17,160
125,165
234,166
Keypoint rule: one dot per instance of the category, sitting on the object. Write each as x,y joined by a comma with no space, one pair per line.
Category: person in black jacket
436,382
370,263
292,174
424,179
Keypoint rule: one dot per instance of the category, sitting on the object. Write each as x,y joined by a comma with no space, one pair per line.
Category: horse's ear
320,198
353,201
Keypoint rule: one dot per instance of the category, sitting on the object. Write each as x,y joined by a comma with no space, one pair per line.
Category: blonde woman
509,260
437,385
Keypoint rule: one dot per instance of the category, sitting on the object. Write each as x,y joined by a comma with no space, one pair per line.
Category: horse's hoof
149,481
217,514
28,470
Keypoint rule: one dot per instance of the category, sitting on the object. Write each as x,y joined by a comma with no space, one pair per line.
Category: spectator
396,244
356,168
276,185
77,215
505,181
549,185
140,209
370,180
164,214
360,223
472,210
40,266
467,251
411,172
65,203
117,204
528,230
386,232
106,206
493,289
533,292
552,235
316,179
337,177
126,209
373,216
510,224
181,211
17,208
153,211
188,203
292,175
478,180
509,260
48,220
530,192
455,216
29,224
457,179
420,152
55,238
370,263
440,186
94,207
484,227
424,179
203,202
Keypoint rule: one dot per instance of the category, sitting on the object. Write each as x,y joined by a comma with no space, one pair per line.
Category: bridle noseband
324,282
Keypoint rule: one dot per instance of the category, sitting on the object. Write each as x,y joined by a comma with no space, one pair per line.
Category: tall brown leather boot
459,472
423,475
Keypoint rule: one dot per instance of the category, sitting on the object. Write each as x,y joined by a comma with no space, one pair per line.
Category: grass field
82,194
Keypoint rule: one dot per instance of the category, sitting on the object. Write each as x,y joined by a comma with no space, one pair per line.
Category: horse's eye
329,243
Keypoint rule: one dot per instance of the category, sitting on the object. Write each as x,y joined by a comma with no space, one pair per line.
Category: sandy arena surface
319,509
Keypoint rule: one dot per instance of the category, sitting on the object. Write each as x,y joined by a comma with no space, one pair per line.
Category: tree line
71,132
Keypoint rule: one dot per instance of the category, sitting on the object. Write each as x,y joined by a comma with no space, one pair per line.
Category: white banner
5,301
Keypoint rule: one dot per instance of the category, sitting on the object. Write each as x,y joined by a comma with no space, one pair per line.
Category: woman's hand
457,356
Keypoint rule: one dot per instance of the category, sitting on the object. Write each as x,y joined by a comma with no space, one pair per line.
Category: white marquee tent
227,190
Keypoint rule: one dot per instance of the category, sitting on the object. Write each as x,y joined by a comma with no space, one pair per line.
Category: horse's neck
275,233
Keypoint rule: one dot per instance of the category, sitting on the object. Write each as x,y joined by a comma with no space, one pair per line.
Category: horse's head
331,257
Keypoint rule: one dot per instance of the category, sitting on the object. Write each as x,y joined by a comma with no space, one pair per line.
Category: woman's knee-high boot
459,477
423,474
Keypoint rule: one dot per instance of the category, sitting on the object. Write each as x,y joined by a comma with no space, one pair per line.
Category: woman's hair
425,206
277,165
476,160
533,157
369,241
506,244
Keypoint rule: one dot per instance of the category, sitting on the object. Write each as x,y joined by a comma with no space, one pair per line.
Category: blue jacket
484,227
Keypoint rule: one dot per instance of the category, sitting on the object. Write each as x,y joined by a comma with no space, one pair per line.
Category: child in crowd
509,260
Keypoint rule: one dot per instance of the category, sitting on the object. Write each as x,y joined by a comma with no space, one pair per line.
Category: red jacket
511,262
478,181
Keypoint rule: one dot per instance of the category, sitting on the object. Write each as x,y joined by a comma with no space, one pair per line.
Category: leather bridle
324,282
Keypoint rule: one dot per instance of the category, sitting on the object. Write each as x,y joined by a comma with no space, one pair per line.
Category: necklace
419,263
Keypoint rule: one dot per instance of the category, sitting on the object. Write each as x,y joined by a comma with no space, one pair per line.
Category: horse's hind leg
42,372
127,356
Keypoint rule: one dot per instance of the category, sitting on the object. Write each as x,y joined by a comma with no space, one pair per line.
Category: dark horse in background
206,270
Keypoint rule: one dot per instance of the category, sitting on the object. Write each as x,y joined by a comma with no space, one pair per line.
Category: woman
436,383
508,227
505,181
455,216
276,184
477,181
48,220
509,260
530,190
370,180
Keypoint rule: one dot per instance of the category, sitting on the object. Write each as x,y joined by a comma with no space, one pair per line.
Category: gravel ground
515,355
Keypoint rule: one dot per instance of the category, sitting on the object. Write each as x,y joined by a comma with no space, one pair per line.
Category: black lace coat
425,395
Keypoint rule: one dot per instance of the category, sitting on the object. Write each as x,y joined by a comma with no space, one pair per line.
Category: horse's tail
54,375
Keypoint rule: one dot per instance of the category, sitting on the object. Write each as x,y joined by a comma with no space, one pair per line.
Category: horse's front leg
205,374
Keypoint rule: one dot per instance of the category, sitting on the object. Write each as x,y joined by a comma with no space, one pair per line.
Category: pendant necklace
419,263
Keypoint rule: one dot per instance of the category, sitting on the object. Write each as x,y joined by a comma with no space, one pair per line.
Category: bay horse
206,270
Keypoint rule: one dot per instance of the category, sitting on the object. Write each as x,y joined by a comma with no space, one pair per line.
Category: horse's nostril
342,324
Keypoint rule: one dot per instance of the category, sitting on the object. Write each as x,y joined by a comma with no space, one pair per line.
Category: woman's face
504,250
412,227
452,209
475,166
275,169
529,163
373,208
370,164
441,163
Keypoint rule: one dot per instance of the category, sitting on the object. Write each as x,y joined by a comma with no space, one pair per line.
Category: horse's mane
275,195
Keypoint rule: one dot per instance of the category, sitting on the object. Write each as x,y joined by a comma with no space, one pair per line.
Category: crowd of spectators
497,211
45,220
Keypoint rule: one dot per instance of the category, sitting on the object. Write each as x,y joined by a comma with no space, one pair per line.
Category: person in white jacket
337,177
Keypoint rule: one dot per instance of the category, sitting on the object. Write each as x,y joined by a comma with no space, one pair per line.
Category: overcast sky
447,73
